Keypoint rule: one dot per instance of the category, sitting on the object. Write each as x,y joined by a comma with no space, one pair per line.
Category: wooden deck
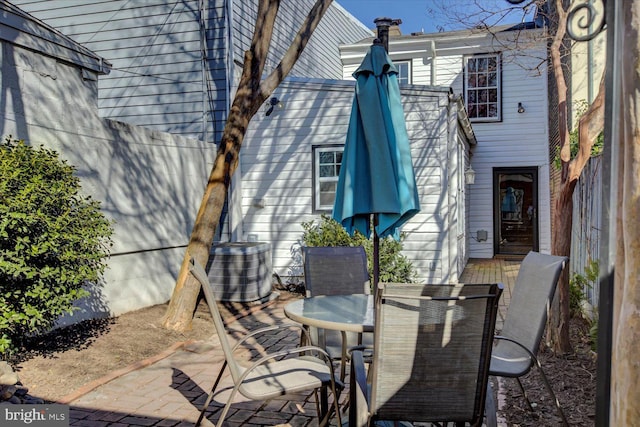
495,270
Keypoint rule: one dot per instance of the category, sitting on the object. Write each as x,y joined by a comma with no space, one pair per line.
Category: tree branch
297,46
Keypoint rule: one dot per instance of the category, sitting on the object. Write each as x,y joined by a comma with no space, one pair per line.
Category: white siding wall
519,140
154,46
157,78
276,165
320,58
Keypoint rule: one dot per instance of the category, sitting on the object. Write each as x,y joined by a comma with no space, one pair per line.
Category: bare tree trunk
558,324
558,332
625,371
590,126
251,93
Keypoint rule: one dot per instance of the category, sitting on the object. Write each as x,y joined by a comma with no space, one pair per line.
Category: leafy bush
52,241
394,267
578,284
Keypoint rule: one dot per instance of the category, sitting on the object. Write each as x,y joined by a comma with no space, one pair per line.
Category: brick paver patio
170,391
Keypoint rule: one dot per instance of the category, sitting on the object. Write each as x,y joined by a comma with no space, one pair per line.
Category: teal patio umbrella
376,179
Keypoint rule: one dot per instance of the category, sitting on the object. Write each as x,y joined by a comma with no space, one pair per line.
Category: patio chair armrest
529,352
358,391
360,348
299,350
503,338
268,329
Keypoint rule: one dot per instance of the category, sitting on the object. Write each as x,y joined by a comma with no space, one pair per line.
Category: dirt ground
573,379
57,365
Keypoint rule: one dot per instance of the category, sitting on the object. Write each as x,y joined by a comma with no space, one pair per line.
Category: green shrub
578,284
394,267
53,240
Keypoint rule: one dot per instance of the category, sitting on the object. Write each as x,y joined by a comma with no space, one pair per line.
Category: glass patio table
348,313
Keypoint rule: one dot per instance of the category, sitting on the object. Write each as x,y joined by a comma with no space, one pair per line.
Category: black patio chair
336,270
432,353
517,345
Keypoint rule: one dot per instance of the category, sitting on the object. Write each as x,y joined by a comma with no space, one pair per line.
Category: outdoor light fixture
521,108
273,102
469,176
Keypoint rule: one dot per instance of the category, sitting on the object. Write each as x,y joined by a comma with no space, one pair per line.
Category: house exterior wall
320,58
160,78
149,183
518,140
157,80
587,66
277,163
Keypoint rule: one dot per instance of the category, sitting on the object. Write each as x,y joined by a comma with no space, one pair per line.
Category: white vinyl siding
320,58
158,79
277,167
520,140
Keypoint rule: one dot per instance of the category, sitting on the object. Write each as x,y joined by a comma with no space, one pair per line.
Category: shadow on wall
93,306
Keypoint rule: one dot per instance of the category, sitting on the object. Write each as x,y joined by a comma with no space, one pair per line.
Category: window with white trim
326,165
482,87
404,71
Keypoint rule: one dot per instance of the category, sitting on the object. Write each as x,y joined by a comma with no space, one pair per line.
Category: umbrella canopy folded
376,176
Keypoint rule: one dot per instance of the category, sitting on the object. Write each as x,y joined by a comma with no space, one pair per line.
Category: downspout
234,196
434,69
203,63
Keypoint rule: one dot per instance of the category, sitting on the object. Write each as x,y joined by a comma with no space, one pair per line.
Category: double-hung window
326,166
482,87
404,71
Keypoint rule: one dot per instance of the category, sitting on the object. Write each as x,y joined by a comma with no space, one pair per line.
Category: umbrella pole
376,256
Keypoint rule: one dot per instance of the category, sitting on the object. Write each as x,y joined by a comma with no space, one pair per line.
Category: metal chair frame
274,374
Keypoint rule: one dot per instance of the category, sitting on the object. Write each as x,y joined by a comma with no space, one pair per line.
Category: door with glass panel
515,210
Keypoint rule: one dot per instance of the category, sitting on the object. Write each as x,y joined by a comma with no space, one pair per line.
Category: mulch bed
573,379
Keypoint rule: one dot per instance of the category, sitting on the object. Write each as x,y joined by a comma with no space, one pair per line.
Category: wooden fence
587,220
